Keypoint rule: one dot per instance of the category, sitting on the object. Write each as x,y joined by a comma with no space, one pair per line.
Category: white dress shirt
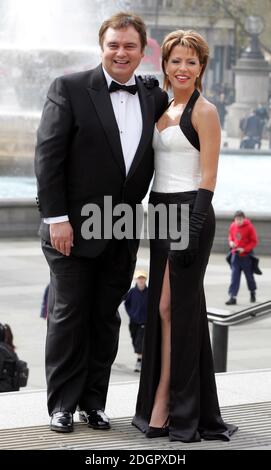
128,115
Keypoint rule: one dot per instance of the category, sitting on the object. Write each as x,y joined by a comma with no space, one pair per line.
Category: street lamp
254,26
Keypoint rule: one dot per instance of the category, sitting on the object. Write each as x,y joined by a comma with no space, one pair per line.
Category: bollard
220,347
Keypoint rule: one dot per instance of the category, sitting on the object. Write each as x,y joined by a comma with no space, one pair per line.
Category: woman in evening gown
177,393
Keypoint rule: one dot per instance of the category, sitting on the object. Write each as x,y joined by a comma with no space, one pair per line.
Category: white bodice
176,162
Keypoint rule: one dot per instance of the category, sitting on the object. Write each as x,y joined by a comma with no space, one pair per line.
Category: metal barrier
222,319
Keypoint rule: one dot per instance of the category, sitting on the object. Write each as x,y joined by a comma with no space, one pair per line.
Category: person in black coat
136,307
13,371
94,140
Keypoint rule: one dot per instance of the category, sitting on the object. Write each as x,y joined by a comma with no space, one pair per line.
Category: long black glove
198,216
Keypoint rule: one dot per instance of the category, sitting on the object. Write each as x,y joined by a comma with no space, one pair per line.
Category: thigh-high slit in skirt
193,409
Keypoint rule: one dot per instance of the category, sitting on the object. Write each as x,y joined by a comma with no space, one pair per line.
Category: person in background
136,307
242,240
13,371
252,130
44,303
262,113
221,108
268,131
6,336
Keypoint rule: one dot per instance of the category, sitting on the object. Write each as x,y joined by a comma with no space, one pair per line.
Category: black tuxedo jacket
79,157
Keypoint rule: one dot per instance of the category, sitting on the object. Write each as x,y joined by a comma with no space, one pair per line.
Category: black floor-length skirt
193,409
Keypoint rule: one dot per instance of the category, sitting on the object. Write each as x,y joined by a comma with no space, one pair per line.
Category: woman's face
182,68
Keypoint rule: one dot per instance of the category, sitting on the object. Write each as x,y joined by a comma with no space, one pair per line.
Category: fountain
40,40
33,52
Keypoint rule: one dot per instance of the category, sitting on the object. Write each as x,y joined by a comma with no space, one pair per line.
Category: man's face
141,282
239,220
121,53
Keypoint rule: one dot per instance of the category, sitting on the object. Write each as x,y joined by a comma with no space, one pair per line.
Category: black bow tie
114,86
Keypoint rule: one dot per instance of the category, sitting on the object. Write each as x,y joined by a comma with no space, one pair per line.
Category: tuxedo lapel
148,111
100,97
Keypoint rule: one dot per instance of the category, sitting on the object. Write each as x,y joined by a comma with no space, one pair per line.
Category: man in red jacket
242,240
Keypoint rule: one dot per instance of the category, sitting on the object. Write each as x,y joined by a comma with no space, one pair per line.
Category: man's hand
232,244
150,81
240,250
62,237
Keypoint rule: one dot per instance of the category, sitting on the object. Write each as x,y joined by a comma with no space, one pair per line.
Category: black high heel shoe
158,432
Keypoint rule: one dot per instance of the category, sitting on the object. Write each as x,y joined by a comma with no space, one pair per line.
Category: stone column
251,88
251,85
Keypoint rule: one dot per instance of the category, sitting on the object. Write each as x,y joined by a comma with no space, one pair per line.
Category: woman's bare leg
161,403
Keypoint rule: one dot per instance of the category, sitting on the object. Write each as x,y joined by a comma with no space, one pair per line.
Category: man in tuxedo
94,140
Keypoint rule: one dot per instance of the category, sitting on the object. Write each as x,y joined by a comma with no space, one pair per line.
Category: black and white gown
193,409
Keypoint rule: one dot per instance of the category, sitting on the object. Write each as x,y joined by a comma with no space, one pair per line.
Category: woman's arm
206,122
208,127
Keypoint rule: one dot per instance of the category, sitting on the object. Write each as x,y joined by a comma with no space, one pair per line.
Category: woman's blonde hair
190,39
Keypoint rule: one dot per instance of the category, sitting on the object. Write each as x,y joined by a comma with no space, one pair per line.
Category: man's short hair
239,214
123,20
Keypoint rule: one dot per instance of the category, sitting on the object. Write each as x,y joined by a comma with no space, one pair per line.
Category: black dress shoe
95,419
231,301
252,296
157,432
62,421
